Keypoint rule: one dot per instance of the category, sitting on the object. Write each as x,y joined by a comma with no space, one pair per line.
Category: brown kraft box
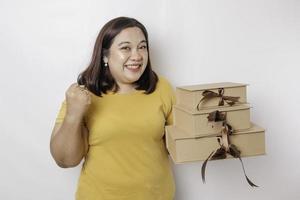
190,96
184,147
197,124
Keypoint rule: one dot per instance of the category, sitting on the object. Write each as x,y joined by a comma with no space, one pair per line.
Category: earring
105,64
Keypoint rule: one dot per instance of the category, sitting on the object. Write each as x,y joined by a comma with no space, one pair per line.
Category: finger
83,89
87,92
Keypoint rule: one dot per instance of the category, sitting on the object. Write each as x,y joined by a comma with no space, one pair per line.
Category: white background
45,44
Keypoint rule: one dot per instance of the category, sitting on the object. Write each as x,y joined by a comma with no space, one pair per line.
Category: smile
133,66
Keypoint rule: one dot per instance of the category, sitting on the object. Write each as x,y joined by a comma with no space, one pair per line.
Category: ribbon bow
225,148
208,94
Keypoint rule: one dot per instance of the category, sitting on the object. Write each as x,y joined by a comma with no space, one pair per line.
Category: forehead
132,35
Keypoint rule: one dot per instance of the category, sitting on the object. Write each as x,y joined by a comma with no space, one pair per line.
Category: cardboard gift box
184,147
197,123
210,95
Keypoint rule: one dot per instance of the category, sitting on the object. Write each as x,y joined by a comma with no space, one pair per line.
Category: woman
114,118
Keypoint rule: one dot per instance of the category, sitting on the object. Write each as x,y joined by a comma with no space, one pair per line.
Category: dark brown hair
97,78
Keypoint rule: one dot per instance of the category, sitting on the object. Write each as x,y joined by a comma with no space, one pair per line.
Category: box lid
212,109
212,86
179,134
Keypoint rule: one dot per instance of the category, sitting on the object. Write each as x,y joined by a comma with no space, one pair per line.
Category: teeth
133,66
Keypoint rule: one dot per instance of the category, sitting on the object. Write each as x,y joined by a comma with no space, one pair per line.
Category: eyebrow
125,42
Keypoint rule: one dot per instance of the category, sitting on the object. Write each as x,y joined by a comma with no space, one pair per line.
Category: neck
126,88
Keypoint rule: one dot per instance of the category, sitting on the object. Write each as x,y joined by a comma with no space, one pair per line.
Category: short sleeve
61,113
168,98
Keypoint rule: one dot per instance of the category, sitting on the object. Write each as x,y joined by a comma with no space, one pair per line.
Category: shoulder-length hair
97,78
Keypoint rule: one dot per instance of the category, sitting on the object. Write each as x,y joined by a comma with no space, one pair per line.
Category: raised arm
69,139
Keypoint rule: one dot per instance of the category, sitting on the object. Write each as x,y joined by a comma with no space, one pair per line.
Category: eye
125,48
143,47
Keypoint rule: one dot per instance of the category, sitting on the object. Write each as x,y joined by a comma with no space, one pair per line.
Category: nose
136,55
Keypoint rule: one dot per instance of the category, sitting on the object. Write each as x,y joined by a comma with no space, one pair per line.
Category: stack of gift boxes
199,117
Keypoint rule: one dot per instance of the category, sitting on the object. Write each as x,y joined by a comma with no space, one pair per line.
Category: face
128,56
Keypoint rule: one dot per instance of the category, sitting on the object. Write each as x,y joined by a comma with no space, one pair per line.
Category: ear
105,55
105,59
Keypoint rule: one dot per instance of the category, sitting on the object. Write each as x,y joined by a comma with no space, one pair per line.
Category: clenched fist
78,100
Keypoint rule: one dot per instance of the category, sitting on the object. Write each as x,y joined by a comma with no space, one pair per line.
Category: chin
132,79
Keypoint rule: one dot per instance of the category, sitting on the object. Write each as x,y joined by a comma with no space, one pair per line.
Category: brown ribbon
225,147
216,116
208,94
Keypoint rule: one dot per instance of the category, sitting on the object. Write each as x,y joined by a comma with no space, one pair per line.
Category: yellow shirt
127,157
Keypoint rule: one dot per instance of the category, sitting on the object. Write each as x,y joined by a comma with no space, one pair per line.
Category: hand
78,100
